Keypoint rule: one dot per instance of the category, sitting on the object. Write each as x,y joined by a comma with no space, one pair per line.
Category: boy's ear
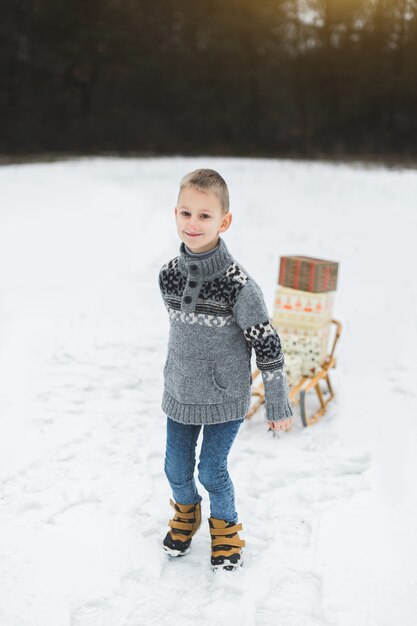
226,221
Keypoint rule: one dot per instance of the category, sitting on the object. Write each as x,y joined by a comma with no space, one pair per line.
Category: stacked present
303,310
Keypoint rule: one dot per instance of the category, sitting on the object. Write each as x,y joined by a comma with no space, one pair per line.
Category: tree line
271,77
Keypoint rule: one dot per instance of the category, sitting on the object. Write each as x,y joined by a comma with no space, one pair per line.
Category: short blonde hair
208,180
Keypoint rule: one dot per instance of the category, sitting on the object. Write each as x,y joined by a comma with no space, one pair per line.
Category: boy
217,315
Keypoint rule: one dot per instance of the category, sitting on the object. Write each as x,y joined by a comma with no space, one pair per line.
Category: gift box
309,344
308,273
293,368
302,308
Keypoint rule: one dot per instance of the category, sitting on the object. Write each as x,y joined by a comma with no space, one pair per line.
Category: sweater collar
201,255
214,264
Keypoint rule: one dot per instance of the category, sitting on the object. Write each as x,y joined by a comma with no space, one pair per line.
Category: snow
329,512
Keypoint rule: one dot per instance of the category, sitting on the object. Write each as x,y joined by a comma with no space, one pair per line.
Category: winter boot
184,525
226,544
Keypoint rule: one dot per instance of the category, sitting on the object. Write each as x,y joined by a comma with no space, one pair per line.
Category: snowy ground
329,512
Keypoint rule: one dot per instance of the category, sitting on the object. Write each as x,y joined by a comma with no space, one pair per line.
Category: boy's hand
280,424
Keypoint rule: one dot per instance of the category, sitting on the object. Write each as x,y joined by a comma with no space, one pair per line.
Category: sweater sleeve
161,280
251,314
163,283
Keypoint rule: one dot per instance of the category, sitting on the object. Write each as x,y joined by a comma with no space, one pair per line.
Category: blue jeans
180,460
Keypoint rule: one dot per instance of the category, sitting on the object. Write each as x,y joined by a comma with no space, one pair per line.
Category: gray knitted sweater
217,315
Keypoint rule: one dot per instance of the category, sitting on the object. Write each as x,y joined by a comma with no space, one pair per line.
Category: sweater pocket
192,381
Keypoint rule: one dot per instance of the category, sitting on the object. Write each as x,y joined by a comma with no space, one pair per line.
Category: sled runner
297,394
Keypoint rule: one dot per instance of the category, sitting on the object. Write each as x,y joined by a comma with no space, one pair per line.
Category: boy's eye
203,215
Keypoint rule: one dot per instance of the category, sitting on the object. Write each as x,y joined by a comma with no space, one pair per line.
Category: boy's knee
166,469
211,477
177,477
170,473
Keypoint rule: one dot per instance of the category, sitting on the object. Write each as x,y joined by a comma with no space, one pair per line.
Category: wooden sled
297,394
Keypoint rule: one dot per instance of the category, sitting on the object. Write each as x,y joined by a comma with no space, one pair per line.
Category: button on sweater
217,317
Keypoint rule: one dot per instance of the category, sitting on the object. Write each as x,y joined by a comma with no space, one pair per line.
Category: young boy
217,315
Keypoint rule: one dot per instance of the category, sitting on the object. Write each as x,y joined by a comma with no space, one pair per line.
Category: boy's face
200,219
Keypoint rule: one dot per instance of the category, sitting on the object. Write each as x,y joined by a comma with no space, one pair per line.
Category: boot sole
222,567
176,553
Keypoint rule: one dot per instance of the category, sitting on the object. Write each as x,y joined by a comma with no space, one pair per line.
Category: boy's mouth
193,235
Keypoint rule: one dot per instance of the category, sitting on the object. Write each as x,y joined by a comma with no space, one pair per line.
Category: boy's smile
200,219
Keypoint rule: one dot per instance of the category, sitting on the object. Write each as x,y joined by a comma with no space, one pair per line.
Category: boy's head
202,210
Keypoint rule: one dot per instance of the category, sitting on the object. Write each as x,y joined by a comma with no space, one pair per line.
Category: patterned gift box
309,344
308,273
302,308
293,368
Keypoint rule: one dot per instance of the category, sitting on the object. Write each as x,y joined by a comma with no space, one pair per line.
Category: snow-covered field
329,512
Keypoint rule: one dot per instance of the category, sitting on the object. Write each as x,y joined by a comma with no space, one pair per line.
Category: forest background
298,78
